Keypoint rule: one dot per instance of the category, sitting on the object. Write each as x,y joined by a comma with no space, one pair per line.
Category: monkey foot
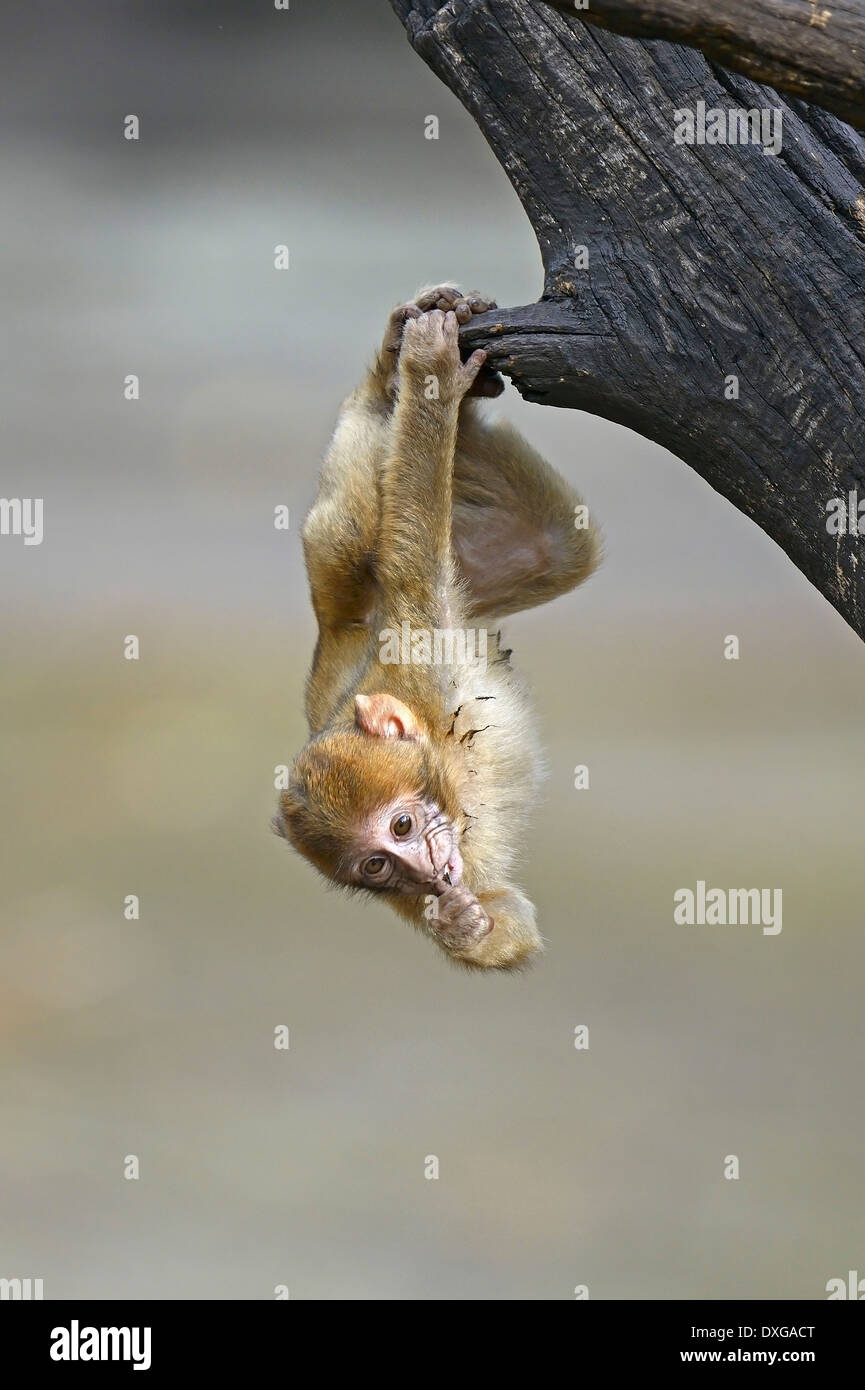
451,300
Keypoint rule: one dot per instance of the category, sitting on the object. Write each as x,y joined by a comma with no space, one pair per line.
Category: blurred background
155,1037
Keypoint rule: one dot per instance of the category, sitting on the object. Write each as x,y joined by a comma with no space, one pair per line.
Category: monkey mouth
444,858
452,873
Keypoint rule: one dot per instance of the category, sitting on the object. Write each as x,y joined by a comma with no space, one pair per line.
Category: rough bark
812,48
705,262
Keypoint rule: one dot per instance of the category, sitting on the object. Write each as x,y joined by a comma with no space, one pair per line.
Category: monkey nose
454,867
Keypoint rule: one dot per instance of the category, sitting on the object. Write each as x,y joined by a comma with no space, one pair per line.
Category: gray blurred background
155,1037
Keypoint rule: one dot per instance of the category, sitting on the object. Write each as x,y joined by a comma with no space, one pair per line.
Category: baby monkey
430,523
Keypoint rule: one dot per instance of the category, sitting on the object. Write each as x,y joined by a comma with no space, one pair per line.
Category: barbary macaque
431,523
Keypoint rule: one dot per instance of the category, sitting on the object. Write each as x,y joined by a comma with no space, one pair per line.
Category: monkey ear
384,716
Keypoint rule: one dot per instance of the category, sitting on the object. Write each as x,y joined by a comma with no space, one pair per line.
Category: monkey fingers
430,342
446,299
460,921
488,381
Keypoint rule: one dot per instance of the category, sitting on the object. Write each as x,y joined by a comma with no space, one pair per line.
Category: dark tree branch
705,262
812,48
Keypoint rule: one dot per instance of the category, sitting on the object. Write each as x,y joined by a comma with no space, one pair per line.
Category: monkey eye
401,826
375,866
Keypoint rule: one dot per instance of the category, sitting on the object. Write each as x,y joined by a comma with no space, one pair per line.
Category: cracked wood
705,263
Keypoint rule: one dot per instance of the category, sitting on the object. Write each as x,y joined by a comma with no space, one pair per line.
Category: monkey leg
520,533
340,536
340,533
383,373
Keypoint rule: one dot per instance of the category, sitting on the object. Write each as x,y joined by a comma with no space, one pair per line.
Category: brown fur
430,515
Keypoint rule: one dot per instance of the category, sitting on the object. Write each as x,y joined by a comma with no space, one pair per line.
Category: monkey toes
447,297
396,326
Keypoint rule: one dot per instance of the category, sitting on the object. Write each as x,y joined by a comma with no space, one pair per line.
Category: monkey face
409,846
375,811
373,807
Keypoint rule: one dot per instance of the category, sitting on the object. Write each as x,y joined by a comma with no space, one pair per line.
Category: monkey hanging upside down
419,774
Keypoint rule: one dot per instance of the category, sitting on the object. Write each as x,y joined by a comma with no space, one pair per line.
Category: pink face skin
408,847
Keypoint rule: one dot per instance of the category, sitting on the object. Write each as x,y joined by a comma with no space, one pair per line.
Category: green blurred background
155,1037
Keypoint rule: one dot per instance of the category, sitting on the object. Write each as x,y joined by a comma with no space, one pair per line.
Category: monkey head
372,806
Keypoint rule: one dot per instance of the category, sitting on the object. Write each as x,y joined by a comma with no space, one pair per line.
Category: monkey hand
431,357
457,920
488,382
